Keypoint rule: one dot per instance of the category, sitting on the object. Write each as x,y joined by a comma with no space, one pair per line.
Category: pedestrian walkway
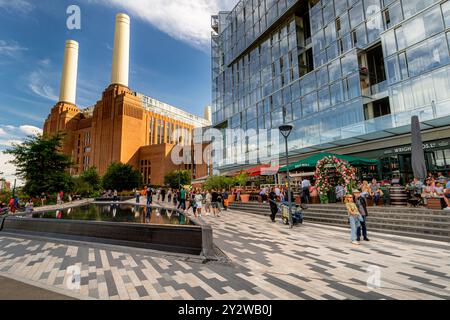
267,261
15,290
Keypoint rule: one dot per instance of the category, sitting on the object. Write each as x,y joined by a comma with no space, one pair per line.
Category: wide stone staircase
409,222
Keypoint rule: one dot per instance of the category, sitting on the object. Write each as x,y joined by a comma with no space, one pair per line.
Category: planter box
245,198
434,203
231,198
171,238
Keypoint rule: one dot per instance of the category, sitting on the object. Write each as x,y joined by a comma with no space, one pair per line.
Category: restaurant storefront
396,162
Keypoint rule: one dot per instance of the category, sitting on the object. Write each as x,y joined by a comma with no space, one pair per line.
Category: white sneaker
356,243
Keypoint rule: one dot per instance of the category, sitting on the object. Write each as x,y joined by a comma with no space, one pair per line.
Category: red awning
263,170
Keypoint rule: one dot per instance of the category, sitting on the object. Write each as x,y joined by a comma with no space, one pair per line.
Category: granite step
411,222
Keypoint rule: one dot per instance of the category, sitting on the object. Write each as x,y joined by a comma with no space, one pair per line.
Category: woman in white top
198,203
208,202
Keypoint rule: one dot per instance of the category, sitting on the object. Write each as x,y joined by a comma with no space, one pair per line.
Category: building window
152,131
146,172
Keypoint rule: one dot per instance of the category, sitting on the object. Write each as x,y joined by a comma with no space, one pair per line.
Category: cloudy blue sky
170,56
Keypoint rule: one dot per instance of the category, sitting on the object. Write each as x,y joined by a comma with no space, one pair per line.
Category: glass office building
343,72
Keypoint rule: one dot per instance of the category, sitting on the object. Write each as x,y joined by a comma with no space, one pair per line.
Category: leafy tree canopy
175,179
219,183
42,165
92,178
121,177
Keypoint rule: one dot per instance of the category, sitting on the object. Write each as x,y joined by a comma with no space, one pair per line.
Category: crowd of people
433,187
18,204
199,201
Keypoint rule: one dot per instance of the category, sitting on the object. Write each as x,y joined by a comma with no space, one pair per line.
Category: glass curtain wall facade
335,69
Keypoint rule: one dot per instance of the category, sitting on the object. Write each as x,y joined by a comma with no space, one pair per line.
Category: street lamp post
285,131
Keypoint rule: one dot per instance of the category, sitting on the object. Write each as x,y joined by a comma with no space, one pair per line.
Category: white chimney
208,113
121,55
68,89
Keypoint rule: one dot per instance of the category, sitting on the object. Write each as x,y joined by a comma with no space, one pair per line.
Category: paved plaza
265,261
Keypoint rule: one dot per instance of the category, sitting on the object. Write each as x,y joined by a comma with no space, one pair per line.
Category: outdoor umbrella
418,156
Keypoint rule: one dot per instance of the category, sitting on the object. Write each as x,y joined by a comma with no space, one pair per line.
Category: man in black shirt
273,204
215,202
361,204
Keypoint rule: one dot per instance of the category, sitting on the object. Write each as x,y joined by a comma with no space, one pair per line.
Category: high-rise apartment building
348,74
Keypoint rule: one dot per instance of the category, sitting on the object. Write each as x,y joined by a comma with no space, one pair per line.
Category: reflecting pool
124,213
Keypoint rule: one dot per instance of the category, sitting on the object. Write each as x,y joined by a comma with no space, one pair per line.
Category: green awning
311,162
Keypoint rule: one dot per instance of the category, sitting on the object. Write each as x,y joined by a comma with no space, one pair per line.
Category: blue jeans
149,200
354,224
362,228
376,198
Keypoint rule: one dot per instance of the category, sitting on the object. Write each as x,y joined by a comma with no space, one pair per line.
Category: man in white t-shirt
277,191
306,184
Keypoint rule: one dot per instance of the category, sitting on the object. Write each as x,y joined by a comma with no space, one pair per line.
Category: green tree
219,183
88,184
92,178
121,177
41,165
82,188
178,178
241,180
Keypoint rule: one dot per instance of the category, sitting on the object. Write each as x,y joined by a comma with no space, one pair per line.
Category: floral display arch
345,173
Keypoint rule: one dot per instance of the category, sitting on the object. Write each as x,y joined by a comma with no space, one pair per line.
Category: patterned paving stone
268,261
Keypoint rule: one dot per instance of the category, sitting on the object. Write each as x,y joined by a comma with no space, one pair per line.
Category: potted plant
241,181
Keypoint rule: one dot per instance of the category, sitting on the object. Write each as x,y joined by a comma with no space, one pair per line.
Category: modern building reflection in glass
345,73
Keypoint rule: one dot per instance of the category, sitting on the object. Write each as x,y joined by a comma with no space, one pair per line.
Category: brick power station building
123,126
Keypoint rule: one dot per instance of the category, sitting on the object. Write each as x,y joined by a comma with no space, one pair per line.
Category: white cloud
38,83
44,62
12,136
9,170
30,130
9,143
10,48
188,21
22,6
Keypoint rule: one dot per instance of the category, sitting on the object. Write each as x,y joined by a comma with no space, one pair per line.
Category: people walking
137,196
176,195
182,199
11,205
273,204
169,196
208,202
163,195
43,199
198,204
263,195
225,199
215,203
149,194
306,196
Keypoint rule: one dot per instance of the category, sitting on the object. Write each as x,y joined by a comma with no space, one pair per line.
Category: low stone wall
120,199
194,240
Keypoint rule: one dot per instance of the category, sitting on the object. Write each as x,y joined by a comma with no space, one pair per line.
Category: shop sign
426,146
